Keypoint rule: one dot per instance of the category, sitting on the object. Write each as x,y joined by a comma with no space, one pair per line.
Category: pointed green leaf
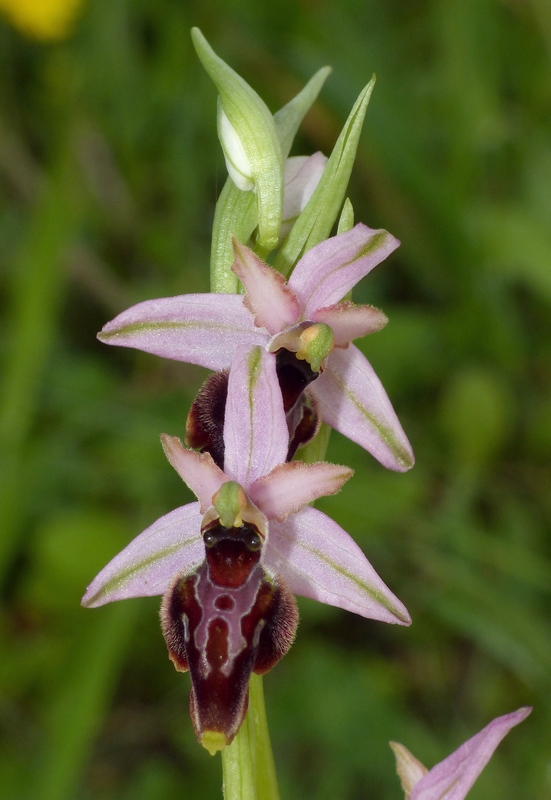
288,118
318,217
346,219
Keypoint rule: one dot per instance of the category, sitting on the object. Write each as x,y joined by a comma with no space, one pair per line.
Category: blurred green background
109,172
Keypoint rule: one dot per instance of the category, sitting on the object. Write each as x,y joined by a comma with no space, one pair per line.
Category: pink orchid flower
228,578
452,778
315,556
306,315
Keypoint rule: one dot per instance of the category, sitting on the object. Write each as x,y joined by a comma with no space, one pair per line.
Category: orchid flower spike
452,778
306,316
220,621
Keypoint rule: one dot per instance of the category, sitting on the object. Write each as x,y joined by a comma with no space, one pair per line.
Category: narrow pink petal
271,302
289,487
317,558
452,778
350,321
301,175
197,470
149,564
201,329
329,270
351,399
255,430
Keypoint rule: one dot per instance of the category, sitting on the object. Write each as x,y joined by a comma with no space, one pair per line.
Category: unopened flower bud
237,162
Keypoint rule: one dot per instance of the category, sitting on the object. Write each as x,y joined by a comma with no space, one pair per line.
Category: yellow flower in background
42,19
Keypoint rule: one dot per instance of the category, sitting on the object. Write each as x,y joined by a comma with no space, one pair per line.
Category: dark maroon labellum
205,422
294,375
224,621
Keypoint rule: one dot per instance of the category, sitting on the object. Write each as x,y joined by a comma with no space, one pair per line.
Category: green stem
248,764
317,448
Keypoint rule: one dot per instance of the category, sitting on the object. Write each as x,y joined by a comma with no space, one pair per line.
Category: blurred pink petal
452,778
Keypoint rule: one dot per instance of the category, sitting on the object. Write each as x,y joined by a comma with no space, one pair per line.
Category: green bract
254,127
236,213
346,219
317,219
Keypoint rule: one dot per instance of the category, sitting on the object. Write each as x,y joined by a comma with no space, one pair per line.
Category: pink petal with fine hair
255,430
197,470
327,272
453,778
349,321
148,565
352,400
318,559
201,329
289,487
270,301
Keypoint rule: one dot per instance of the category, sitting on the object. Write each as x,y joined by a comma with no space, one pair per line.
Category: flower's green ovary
119,580
401,454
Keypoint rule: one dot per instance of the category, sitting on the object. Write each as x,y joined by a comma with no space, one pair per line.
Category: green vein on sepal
118,581
152,327
385,433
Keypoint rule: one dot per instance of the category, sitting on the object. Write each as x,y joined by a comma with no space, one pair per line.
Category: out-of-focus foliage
109,170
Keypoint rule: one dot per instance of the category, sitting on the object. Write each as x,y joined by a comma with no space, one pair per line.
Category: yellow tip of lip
213,741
